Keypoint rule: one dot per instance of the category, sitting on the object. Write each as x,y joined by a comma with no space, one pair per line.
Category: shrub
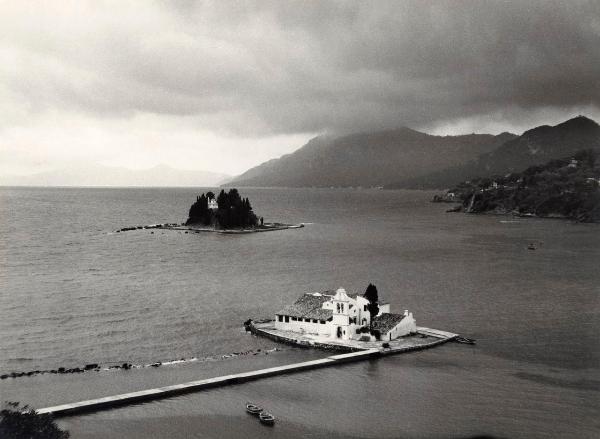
24,423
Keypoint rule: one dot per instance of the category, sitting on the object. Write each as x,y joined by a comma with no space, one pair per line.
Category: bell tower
341,315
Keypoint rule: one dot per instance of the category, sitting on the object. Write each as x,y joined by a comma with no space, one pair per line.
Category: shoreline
267,227
424,338
460,209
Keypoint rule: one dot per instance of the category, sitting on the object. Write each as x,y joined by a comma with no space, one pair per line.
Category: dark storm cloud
284,67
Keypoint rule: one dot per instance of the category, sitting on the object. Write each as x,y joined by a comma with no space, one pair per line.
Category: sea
75,292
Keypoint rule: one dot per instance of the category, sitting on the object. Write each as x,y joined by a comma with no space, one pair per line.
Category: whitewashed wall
406,326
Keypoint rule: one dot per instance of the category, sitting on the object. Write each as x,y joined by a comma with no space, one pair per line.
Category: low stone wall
299,343
440,337
195,386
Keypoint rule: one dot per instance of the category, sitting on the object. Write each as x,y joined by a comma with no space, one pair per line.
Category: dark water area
73,292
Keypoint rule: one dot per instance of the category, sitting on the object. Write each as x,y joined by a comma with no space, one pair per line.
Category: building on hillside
337,315
212,204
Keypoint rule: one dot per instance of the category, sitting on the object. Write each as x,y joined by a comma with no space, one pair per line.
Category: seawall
194,386
108,402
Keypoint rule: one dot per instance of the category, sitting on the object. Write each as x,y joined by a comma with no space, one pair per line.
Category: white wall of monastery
349,314
406,326
304,326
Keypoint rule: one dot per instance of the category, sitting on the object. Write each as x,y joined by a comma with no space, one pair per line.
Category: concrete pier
194,386
108,402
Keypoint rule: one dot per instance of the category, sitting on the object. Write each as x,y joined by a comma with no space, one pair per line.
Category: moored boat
266,418
253,409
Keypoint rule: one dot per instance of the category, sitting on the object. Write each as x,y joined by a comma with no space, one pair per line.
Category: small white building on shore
337,315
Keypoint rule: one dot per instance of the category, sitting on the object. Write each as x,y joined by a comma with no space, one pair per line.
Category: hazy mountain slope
534,147
97,175
368,159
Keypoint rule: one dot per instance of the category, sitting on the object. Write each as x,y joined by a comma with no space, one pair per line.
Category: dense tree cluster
233,211
199,212
568,187
22,422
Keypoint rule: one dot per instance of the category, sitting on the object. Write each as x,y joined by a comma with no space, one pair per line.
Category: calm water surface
72,292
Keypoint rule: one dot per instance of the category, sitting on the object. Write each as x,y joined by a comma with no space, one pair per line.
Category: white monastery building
338,315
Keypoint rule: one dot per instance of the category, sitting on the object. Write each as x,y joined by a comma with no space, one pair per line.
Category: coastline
424,338
267,227
459,208
532,215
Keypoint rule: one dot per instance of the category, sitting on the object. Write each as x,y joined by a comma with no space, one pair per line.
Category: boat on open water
266,418
253,409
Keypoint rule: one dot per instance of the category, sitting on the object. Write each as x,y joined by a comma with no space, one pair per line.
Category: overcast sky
223,86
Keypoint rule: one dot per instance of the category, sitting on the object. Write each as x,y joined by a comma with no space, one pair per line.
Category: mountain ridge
111,176
535,146
367,159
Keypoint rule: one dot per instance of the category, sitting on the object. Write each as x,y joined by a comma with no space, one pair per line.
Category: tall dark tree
199,212
223,200
373,306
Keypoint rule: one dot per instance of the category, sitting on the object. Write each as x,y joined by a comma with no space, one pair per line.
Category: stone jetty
266,227
429,339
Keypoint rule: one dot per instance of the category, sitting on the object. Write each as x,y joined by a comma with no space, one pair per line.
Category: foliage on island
18,422
233,211
565,188
373,307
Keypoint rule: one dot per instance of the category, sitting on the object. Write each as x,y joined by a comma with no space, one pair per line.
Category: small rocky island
567,188
226,213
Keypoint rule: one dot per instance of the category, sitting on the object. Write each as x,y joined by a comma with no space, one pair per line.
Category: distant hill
97,175
534,147
564,188
368,159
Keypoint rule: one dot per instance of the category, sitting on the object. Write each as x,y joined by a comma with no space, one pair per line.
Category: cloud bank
197,77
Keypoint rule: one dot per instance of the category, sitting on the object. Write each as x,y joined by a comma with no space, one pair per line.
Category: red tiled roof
308,306
386,322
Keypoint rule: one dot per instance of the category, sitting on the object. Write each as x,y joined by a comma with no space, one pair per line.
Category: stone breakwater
266,227
95,367
432,337
150,226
